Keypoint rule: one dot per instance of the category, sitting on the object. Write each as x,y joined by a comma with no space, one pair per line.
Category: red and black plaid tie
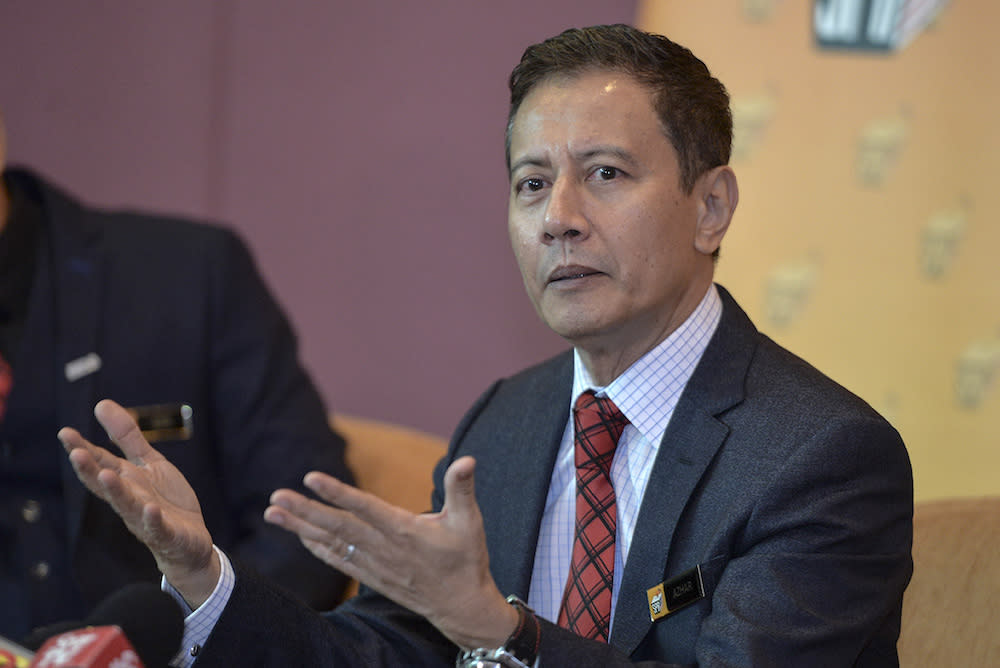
586,605
6,385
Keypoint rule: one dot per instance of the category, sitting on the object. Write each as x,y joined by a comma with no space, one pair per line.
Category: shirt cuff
198,624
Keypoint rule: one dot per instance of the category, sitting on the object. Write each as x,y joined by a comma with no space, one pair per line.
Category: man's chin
580,332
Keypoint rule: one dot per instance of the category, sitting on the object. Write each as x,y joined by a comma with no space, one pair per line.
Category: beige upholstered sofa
391,461
951,610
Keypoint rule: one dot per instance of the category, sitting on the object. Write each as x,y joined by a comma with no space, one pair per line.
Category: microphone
13,655
34,640
89,647
139,626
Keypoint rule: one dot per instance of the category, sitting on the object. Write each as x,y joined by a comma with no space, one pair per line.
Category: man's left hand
435,564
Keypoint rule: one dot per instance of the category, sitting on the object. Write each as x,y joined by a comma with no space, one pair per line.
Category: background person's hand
435,564
152,497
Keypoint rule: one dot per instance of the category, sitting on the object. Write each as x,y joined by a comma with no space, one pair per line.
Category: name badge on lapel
164,422
670,596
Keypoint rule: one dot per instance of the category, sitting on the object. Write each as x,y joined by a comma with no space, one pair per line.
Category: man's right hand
152,497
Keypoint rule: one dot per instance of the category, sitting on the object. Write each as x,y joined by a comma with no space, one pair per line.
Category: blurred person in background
170,318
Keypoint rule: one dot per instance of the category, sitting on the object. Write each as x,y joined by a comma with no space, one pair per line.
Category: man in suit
154,312
676,490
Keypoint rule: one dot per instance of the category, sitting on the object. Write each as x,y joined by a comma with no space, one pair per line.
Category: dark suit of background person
176,312
787,490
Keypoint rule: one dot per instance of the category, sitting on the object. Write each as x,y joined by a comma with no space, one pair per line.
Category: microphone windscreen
150,618
39,635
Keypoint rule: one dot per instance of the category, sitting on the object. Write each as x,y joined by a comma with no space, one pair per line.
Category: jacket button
40,571
31,511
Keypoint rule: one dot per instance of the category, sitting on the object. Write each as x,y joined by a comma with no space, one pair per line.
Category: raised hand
435,564
153,499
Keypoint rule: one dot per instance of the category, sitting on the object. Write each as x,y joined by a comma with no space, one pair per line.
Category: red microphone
14,655
89,647
136,627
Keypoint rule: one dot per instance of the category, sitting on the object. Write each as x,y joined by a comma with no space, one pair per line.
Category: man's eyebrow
590,153
608,150
528,161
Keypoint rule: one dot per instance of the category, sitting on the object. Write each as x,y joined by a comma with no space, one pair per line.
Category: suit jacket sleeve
262,626
268,422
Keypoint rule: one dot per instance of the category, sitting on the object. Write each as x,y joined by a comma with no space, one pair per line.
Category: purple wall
356,146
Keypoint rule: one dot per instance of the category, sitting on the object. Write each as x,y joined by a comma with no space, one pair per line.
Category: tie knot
599,425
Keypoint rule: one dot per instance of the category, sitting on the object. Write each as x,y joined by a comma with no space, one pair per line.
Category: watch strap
520,650
523,642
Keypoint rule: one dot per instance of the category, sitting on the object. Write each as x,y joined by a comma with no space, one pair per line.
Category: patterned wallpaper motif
866,237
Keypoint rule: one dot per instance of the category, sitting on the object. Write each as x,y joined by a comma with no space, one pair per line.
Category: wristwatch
520,650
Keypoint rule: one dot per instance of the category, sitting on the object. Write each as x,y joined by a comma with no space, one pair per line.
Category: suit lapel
77,270
532,440
689,444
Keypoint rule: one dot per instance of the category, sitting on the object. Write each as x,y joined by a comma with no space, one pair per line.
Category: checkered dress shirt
647,393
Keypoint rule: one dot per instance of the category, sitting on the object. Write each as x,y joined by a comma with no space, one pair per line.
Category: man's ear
718,195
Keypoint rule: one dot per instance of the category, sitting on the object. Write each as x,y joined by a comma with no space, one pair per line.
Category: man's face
603,233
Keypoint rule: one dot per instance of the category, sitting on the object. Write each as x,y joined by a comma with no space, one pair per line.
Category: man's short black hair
693,106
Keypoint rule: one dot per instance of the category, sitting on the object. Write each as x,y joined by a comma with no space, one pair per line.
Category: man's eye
532,185
607,173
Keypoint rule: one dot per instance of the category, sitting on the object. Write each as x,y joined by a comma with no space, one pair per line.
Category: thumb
460,489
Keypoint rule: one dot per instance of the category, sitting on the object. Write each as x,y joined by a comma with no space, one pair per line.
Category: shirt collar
647,392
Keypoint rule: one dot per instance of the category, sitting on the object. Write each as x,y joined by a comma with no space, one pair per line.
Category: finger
123,430
460,490
330,548
143,518
291,522
85,458
72,441
310,519
87,470
365,506
123,500
340,556
156,530
100,472
328,488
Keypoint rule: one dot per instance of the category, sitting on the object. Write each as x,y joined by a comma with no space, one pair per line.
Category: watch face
489,658
508,660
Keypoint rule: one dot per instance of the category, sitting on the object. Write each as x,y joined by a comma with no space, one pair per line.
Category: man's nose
564,213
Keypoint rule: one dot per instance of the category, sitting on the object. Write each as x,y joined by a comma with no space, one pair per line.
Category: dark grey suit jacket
792,495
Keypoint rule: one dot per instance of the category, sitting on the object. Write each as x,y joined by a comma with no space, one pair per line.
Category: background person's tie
586,606
6,384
